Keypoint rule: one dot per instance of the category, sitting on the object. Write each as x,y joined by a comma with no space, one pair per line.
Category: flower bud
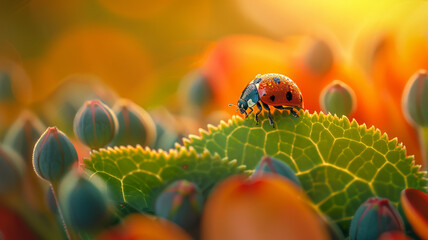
415,99
181,202
15,85
23,134
53,155
6,93
415,206
319,57
338,98
135,125
140,226
85,202
95,124
374,217
11,169
266,207
196,89
165,137
273,165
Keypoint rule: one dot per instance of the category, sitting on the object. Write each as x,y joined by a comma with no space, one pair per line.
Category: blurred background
184,61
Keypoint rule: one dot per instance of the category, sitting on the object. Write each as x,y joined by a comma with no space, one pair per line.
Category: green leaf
135,176
339,163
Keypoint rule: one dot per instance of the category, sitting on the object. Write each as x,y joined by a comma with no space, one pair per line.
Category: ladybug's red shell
279,90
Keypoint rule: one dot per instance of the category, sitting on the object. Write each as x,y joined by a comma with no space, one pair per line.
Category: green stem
423,141
54,187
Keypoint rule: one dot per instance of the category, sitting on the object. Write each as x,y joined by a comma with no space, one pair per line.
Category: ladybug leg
269,114
249,113
257,113
294,113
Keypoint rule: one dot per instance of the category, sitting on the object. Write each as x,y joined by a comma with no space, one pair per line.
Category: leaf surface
135,176
339,163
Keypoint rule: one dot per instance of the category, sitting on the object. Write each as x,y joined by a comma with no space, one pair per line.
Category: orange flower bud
266,207
139,226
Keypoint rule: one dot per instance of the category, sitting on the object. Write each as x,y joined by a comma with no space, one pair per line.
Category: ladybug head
243,106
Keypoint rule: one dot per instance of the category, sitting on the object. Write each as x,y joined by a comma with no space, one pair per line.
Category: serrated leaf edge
344,120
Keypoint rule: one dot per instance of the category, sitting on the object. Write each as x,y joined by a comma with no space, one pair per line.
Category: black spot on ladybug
289,96
272,98
277,80
264,94
300,97
257,80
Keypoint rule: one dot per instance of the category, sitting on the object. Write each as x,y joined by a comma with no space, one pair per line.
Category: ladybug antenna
233,105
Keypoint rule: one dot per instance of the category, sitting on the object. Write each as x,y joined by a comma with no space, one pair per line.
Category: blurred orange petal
114,56
136,9
415,205
139,226
268,207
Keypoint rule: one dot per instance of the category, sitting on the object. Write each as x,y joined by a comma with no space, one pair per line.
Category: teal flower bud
6,93
195,89
166,138
338,98
53,155
136,126
415,99
374,217
95,124
84,201
181,202
273,165
15,86
23,134
11,169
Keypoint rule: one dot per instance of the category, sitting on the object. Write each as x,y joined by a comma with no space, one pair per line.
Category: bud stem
423,141
54,187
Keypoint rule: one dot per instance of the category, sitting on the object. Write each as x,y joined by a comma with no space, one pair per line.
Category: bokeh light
184,62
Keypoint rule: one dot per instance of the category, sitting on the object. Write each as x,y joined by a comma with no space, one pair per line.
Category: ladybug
271,89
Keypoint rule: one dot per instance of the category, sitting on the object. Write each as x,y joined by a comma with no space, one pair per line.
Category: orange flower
415,204
139,226
267,207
